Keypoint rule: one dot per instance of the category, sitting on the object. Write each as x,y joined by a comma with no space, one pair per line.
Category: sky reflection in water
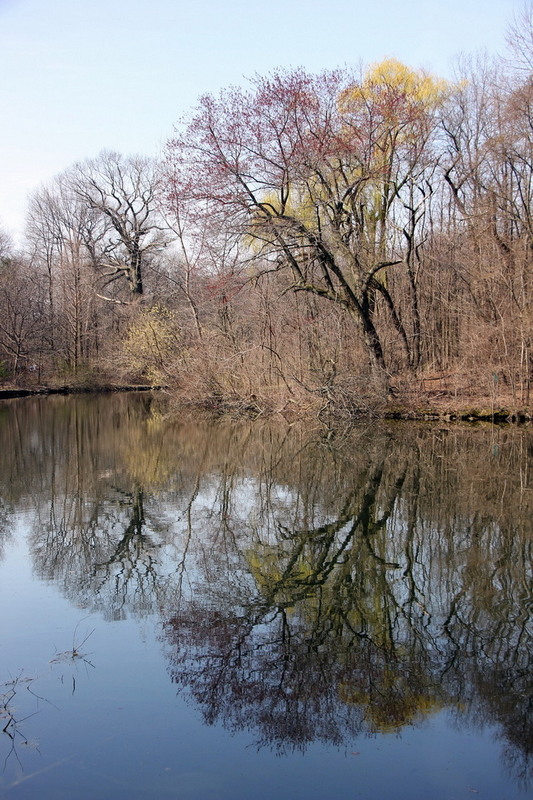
206,609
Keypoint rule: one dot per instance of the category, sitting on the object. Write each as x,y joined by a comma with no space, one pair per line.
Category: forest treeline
348,240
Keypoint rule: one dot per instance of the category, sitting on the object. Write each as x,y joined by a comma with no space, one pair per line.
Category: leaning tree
324,177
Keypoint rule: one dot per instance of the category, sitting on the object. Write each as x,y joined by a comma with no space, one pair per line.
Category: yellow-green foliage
393,700
390,79
383,122
269,569
152,344
298,203
417,86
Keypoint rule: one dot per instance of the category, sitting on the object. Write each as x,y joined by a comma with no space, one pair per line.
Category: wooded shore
335,245
431,407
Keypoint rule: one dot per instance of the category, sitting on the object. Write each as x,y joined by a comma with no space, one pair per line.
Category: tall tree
310,170
23,334
63,234
124,192
489,170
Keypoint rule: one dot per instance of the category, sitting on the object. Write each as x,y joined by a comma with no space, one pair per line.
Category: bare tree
124,192
520,38
22,317
63,234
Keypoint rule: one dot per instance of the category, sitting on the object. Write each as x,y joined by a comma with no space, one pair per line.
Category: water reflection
310,588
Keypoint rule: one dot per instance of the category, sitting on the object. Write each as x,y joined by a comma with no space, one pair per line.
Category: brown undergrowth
434,397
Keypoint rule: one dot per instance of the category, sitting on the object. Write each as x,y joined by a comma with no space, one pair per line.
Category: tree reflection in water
361,588
311,588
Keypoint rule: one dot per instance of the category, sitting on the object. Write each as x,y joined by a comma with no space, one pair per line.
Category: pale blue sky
82,75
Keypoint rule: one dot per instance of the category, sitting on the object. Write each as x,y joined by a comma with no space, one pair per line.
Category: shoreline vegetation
351,243
431,406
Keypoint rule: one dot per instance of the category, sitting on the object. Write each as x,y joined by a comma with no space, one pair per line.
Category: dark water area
214,610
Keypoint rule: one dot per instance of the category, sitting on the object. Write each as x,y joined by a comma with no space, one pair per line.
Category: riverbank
12,392
422,407
432,409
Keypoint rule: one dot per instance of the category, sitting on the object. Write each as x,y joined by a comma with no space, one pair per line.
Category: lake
210,609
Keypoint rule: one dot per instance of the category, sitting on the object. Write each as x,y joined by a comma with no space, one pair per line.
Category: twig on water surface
75,653
11,728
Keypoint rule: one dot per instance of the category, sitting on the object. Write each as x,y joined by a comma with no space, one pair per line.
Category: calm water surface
212,610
